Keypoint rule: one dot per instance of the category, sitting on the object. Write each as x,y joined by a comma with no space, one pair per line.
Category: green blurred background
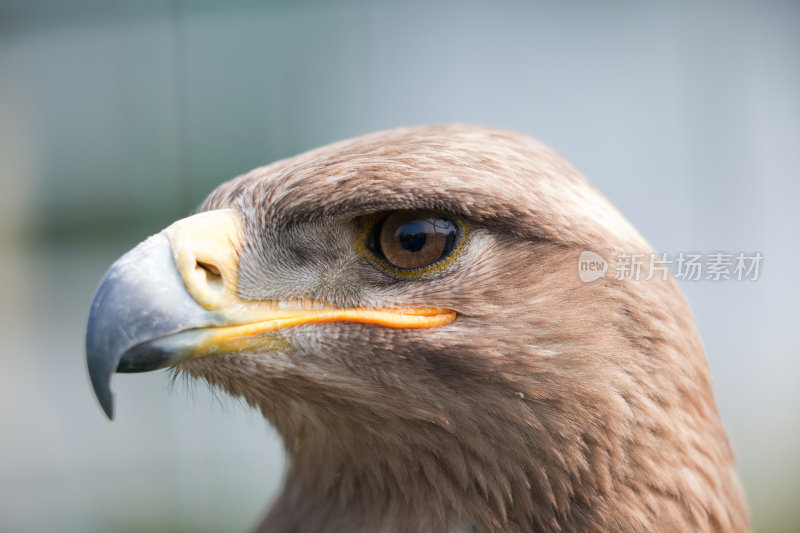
118,117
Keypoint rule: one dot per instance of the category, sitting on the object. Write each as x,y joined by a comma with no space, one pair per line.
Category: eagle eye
412,240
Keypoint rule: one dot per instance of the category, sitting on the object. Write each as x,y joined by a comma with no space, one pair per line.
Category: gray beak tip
104,393
119,315
108,407
141,298
101,371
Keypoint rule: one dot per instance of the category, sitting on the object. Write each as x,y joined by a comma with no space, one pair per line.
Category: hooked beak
174,297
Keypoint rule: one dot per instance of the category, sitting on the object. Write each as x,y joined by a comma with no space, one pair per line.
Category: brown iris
409,240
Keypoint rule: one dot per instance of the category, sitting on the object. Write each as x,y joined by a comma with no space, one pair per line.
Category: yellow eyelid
438,266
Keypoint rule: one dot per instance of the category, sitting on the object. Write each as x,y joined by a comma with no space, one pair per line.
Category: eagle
406,309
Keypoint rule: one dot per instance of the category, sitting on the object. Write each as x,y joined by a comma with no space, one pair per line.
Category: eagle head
406,309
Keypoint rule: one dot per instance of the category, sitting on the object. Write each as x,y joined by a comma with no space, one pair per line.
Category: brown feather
548,405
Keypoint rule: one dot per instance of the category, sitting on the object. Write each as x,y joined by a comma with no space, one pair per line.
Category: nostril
212,273
209,268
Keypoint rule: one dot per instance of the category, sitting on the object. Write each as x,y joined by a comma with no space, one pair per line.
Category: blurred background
118,117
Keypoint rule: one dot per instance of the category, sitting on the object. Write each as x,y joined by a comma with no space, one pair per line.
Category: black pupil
412,235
